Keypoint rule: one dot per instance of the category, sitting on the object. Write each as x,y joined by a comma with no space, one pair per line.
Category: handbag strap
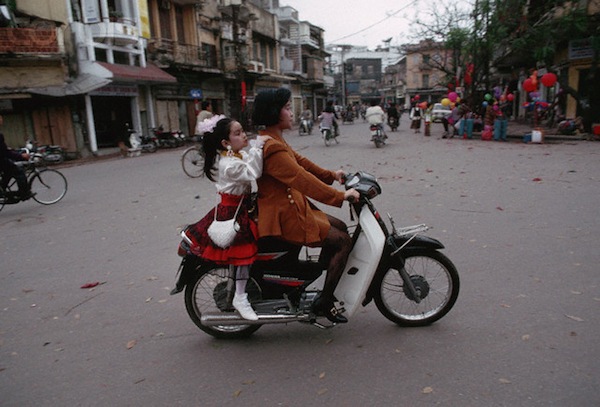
236,211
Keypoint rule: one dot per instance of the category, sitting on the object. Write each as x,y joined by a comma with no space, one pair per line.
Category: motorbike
377,135
305,127
329,135
167,139
393,123
404,272
348,117
49,154
147,144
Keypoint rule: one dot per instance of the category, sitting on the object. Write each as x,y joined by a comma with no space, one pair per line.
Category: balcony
167,52
120,32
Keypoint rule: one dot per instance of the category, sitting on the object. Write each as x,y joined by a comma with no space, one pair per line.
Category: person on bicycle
11,170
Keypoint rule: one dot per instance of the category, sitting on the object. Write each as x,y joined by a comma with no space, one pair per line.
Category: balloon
484,104
496,108
549,79
417,97
488,97
510,97
528,85
457,100
445,102
423,105
452,96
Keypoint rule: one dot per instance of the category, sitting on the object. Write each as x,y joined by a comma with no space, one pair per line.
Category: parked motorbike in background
147,144
49,154
377,135
403,271
167,139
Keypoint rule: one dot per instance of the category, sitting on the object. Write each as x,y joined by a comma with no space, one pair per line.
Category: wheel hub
421,287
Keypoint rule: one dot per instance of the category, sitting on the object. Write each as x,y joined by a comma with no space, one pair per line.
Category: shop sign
116,90
580,49
196,93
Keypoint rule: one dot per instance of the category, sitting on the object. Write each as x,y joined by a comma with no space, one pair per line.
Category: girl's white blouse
236,175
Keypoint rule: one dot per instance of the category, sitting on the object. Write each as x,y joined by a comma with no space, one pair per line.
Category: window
425,80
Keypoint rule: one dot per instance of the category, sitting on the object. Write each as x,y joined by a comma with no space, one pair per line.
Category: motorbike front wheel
433,276
211,292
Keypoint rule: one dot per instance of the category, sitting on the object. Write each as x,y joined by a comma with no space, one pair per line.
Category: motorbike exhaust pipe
236,319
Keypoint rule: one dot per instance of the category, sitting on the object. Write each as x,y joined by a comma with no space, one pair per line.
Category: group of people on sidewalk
285,180
462,121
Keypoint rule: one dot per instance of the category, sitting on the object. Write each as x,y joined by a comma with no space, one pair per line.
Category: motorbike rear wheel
208,293
433,275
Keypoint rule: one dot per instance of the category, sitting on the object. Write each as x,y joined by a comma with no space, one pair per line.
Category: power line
376,23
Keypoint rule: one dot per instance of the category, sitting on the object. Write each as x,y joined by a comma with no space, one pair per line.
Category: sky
360,22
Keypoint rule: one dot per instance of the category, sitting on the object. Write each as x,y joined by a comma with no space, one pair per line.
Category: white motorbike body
361,266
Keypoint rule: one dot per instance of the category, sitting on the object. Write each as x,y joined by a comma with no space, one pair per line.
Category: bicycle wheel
434,277
49,186
192,162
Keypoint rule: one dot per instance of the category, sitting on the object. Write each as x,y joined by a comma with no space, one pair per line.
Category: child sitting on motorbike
223,142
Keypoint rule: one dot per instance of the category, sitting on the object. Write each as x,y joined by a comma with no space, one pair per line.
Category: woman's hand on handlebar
351,195
340,176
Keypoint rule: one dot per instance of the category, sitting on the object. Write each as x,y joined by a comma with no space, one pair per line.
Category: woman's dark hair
205,104
212,145
268,105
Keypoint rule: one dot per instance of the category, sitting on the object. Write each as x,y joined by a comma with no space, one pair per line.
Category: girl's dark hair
212,145
268,105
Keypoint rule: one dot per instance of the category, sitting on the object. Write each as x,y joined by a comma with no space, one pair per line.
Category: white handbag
222,232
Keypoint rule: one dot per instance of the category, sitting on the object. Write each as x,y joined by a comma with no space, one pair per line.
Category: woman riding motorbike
284,210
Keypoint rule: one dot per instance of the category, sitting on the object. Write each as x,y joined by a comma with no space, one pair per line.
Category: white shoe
241,304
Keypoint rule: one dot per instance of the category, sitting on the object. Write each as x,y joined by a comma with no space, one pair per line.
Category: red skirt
244,247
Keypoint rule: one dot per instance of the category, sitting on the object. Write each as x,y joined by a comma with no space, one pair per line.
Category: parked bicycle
192,161
48,185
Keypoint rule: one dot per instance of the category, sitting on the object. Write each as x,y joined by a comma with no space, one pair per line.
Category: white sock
241,278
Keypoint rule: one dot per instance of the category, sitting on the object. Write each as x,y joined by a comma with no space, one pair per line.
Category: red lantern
549,79
528,85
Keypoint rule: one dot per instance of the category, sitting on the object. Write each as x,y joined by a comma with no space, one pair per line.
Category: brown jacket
287,180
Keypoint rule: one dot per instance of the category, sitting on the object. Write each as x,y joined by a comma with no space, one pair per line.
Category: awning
128,73
84,83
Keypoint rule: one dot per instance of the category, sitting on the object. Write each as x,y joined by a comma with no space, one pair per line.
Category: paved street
520,221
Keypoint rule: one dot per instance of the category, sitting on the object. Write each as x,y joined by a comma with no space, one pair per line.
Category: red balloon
510,97
417,97
549,79
528,85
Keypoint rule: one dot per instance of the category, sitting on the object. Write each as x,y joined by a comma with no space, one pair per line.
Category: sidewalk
517,130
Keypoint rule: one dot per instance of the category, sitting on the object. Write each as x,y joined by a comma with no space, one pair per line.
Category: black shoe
326,308
28,195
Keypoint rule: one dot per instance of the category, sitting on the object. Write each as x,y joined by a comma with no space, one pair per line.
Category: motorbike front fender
418,242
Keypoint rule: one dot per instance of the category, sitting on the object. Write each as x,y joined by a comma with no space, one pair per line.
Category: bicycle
192,161
48,185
